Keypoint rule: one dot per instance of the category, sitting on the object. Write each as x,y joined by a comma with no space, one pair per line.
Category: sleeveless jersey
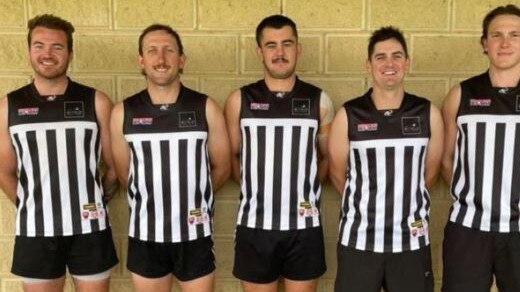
169,184
385,205
486,168
280,187
56,139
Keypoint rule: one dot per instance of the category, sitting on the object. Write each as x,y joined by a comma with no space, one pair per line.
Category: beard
54,72
280,73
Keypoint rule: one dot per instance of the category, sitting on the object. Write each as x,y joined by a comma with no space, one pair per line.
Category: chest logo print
367,127
481,102
259,106
142,121
301,106
187,119
411,125
74,109
28,111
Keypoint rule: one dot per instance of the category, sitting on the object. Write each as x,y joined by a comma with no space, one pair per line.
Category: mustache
280,59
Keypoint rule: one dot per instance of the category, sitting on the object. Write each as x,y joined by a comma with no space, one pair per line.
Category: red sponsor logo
367,127
28,111
142,121
480,102
85,214
259,106
191,219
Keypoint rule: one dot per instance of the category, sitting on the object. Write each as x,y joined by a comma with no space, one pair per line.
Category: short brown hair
51,22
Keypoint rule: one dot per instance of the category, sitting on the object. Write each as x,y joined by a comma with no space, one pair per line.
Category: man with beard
278,128
171,150
57,129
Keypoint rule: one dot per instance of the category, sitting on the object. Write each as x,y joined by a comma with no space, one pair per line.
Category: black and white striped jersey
486,168
280,187
385,205
57,143
169,184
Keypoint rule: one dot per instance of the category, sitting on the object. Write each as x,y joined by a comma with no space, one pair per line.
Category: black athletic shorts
187,260
46,257
365,271
471,257
262,256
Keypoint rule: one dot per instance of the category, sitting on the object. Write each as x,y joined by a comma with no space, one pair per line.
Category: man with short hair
278,128
482,162
53,132
171,150
385,151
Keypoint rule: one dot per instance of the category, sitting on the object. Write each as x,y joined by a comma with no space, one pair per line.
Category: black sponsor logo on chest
73,109
187,119
517,103
411,125
301,106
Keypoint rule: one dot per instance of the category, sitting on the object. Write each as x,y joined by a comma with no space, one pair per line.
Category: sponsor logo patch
258,106
187,119
301,106
367,127
411,125
28,111
518,103
74,109
483,102
142,121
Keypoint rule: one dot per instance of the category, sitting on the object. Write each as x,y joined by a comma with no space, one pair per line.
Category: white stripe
380,203
175,191
286,177
363,203
468,219
61,148
382,143
488,168
507,179
192,181
398,198
158,190
253,203
81,168
136,138
488,118
78,125
45,173
268,182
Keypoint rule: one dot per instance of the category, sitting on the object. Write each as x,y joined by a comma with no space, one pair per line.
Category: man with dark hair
53,132
278,128
482,162
171,152
385,150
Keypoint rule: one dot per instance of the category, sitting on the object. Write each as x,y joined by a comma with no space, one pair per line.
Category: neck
387,99
275,84
164,94
55,86
504,78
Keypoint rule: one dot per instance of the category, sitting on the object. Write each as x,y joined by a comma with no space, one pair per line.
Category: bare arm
326,117
218,145
450,108
339,148
8,167
103,110
435,144
120,149
232,114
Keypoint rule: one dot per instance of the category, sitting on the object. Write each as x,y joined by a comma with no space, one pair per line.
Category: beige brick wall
219,39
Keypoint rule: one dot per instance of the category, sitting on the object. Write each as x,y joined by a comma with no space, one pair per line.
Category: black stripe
306,184
479,171
52,151
38,196
260,195
295,165
372,196
465,188
277,176
183,188
166,189
247,176
198,193
419,194
357,199
137,196
90,181
389,198
76,209
497,176
150,201
407,196
24,183
515,185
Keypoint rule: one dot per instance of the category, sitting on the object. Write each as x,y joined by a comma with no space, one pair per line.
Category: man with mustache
53,132
171,151
278,128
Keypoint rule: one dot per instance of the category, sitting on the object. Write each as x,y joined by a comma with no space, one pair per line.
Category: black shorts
262,256
365,271
471,257
185,260
47,257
